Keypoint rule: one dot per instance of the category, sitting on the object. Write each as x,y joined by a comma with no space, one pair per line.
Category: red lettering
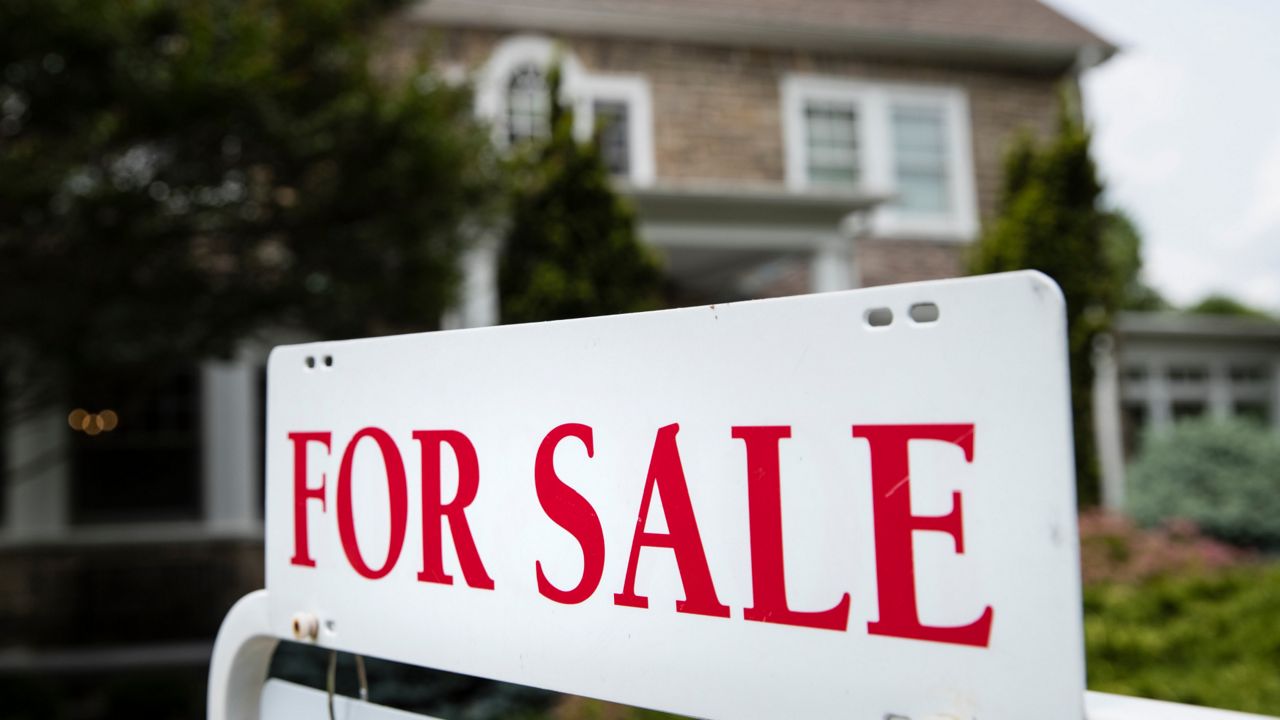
302,493
764,502
570,511
398,502
435,510
895,526
666,476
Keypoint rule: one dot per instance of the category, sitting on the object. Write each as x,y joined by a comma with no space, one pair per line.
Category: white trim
875,102
632,91
577,86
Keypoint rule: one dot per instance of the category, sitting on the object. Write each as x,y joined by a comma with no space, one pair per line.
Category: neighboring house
1164,367
769,146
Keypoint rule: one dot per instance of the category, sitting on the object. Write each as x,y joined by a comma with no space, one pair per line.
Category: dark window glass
1134,424
528,106
1254,410
135,450
1187,410
1188,374
1135,374
612,133
1248,373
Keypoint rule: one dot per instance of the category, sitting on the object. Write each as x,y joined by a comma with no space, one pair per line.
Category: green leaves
572,249
1049,220
1222,475
1204,639
176,175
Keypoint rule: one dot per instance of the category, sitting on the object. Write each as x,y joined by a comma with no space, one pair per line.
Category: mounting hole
925,312
328,361
311,361
879,317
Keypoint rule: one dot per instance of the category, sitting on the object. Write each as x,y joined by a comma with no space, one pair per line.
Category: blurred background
185,184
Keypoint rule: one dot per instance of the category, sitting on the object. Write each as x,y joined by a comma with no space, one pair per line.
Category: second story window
613,133
528,108
831,149
910,143
613,108
920,158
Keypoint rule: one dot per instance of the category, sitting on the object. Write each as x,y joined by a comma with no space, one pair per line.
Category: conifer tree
572,249
1049,219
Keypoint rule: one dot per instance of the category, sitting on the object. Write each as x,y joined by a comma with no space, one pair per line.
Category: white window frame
578,87
874,104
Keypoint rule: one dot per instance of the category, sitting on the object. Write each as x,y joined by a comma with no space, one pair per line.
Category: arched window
528,109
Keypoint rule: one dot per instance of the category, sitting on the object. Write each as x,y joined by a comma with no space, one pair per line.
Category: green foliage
1122,245
1049,220
572,249
1217,304
176,174
1224,476
1206,639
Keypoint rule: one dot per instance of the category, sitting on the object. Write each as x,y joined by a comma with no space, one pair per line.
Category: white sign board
765,509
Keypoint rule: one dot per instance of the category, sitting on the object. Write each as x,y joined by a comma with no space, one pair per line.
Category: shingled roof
979,30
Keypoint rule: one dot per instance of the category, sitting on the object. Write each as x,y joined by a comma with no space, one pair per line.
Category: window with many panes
920,158
613,135
831,143
528,108
135,449
909,143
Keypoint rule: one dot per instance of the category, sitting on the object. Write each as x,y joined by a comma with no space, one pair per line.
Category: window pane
528,111
1254,410
920,159
1187,410
136,450
831,147
612,133
1187,374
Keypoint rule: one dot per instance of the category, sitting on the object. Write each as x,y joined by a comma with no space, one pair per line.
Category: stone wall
718,114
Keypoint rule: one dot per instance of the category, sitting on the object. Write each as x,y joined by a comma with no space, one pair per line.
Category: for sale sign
854,504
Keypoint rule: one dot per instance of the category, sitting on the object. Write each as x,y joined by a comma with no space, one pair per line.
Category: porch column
1106,422
477,304
38,488
832,267
230,446
1220,406
1159,402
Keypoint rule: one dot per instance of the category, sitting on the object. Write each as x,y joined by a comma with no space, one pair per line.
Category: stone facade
717,114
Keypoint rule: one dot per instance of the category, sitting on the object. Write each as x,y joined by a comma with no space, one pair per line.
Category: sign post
853,504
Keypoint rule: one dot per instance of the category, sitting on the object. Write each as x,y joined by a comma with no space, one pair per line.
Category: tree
178,174
1218,304
1049,219
1123,245
572,249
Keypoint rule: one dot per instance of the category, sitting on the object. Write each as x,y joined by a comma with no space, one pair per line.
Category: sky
1186,122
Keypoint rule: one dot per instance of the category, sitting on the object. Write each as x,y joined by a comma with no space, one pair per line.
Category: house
769,146
759,138
1165,367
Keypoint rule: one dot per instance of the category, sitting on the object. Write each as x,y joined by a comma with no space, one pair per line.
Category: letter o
398,490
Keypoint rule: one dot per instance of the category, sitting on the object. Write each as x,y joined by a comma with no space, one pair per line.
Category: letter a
666,476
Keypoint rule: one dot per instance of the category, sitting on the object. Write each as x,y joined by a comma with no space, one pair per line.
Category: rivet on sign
305,626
